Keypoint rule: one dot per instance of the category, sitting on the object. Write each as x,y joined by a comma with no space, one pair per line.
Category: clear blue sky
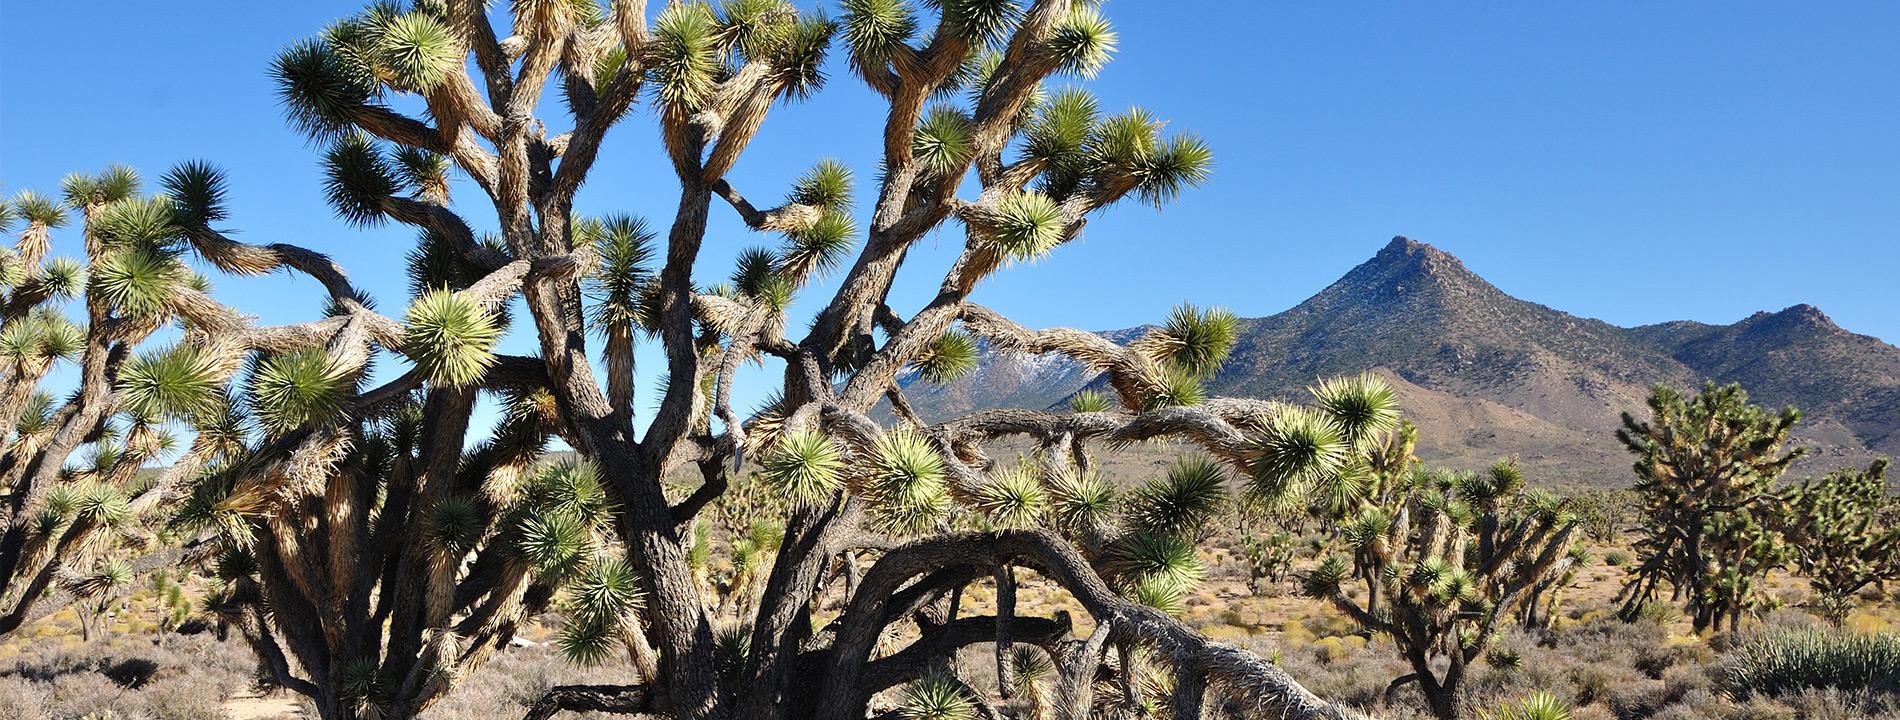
1635,162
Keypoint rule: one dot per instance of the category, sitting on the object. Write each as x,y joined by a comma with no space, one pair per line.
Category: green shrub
1658,612
1792,660
1616,558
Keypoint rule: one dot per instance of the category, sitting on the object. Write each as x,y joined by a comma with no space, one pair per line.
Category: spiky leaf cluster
292,389
949,358
1082,504
1184,503
936,697
1012,499
905,482
451,337
943,141
805,465
876,29
621,282
1082,41
138,280
357,179
176,382
44,335
197,190
1195,339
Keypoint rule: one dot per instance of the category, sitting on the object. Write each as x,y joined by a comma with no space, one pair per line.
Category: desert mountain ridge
1485,374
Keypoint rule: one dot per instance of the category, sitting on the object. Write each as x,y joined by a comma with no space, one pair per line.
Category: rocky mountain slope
1485,374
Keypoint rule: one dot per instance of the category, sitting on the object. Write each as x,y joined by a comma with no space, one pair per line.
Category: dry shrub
131,677
23,699
518,676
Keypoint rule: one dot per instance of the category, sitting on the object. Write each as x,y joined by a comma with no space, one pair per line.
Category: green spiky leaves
1176,387
103,504
292,389
1082,41
197,189
805,465
116,183
1088,401
1184,503
424,172
1197,340
1140,557
137,280
685,61
943,141
1160,593
571,489
1083,153
43,335
1181,162
556,546
827,185
756,276
621,279
1297,447
176,382
1323,581
876,29
139,223
608,588
950,357
320,89
357,178
1082,503
1059,132
1013,499
906,484
936,697
451,337
417,51
982,22
453,526
817,249
38,209
62,277
1027,225
600,600
1364,406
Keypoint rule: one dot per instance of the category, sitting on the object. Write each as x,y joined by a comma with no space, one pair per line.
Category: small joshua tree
1454,554
1706,468
1841,536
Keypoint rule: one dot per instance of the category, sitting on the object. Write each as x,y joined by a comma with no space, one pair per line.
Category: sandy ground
251,707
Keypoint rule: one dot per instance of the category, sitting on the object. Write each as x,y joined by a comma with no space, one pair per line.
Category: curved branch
1240,674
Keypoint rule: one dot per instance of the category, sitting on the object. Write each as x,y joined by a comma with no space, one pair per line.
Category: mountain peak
1405,254
1407,268
1797,317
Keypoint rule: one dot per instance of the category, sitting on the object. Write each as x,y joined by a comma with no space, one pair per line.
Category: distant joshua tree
1842,535
1452,554
1706,469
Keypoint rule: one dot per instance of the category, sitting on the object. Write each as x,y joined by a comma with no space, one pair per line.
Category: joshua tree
56,522
1706,471
1841,535
969,103
1538,608
1454,554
